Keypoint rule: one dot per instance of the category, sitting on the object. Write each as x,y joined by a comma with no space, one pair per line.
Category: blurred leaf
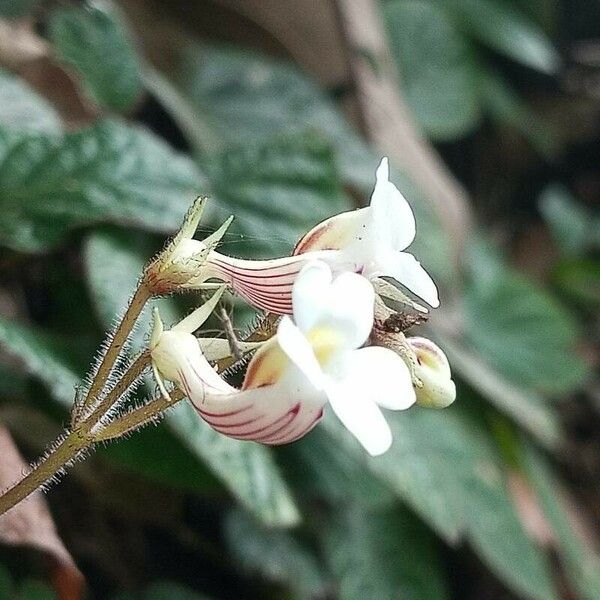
437,67
383,554
446,467
277,192
16,9
163,590
579,280
274,554
247,469
50,358
6,584
114,260
519,329
581,561
574,228
527,408
35,590
96,44
109,172
319,471
505,106
503,27
21,108
242,98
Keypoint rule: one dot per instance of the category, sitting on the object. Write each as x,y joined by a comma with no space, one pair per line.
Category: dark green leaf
50,358
503,27
438,68
109,172
574,228
579,280
96,44
6,584
529,409
243,98
163,590
274,554
21,108
581,561
519,329
505,106
16,9
384,555
445,466
277,192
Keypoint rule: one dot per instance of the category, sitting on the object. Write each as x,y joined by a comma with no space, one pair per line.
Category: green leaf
582,562
529,409
16,9
507,30
97,45
36,590
113,262
162,590
243,98
384,555
274,554
438,68
579,280
6,584
49,357
247,469
519,329
21,108
574,228
277,191
319,471
444,465
111,172
505,106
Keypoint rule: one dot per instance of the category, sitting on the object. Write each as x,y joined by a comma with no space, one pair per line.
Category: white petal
360,416
393,219
407,270
345,305
310,295
381,375
350,308
299,351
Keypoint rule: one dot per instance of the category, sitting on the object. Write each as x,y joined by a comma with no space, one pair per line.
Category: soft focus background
113,117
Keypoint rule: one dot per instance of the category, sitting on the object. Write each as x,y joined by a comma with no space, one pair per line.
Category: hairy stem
138,417
136,305
127,380
64,452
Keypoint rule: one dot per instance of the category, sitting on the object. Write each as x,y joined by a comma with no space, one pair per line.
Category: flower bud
433,371
180,265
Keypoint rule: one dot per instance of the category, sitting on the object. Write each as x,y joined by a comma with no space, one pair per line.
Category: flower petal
407,270
380,375
298,349
393,221
360,416
310,295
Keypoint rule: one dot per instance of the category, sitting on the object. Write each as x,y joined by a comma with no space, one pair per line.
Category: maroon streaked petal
232,413
295,435
230,425
292,413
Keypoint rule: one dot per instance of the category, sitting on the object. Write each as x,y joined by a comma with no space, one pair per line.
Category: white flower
310,362
369,241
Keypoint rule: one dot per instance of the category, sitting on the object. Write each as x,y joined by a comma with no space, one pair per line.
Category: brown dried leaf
30,524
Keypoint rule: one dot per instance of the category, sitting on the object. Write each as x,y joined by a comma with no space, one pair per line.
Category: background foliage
113,117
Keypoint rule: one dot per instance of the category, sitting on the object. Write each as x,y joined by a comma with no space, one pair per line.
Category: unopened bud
433,371
180,265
